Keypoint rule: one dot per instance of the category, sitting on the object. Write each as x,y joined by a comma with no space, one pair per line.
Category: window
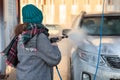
110,27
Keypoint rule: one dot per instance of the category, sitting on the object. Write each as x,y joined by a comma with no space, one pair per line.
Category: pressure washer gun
64,35
56,39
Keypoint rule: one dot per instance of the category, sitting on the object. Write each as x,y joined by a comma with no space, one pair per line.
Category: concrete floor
64,65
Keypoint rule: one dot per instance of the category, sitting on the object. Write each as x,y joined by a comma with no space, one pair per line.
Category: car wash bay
7,23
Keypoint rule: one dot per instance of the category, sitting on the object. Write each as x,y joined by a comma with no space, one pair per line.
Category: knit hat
31,14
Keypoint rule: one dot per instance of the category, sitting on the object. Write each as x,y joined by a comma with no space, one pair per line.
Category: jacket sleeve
49,53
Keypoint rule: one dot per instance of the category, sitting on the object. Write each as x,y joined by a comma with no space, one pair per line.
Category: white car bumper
82,68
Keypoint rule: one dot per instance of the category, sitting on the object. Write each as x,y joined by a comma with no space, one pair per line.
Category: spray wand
64,35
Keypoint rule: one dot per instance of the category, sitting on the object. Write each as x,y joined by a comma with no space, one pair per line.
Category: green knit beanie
31,14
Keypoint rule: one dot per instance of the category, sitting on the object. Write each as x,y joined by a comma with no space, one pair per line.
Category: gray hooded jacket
37,65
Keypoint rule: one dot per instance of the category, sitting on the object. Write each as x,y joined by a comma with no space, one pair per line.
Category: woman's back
32,65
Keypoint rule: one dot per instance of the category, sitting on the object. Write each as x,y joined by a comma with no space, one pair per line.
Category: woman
35,55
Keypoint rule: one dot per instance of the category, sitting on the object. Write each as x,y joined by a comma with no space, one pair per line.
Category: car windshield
110,27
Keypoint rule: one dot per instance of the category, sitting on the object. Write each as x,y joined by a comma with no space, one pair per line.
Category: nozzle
65,36
56,39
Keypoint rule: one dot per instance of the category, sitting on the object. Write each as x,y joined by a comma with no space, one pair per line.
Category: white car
84,58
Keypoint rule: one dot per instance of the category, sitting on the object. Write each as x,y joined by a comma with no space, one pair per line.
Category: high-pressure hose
58,73
100,45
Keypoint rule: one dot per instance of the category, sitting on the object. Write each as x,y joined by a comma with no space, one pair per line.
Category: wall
2,63
10,21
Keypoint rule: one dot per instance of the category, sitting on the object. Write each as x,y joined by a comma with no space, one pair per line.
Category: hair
20,28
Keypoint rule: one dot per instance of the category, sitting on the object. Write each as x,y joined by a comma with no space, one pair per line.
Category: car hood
109,45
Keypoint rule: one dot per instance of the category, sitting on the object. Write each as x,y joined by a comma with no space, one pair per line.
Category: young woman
31,51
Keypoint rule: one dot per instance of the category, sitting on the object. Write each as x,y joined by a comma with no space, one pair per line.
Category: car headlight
90,57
